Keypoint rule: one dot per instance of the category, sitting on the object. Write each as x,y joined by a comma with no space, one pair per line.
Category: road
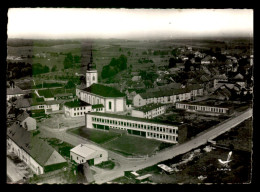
127,165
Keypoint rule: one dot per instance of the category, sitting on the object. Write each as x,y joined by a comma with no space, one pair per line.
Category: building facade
167,97
201,107
76,108
149,111
137,126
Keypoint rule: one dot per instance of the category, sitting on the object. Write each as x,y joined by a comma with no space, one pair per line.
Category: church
93,93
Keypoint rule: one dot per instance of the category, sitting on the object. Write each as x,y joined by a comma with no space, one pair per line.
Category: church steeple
91,65
91,73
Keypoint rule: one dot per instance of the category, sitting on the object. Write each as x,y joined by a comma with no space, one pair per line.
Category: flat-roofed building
148,128
92,154
149,111
76,108
207,106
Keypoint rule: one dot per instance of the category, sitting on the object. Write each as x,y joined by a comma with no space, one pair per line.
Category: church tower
91,74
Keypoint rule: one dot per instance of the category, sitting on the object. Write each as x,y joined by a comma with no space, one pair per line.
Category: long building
207,106
168,96
37,154
148,128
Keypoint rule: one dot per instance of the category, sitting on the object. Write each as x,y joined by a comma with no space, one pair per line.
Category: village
57,132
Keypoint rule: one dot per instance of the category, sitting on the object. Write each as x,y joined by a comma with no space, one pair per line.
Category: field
94,135
240,137
124,144
133,145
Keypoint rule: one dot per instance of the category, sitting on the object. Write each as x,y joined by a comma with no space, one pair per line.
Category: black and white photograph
129,96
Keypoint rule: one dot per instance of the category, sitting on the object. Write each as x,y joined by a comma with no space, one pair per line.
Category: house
37,154
14,91
206,60
91,154
27,122
149,111
218,78
136,78
76,108
222,93
147,128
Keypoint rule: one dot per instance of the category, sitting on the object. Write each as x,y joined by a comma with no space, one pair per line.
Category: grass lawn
240,136
132,145
94,135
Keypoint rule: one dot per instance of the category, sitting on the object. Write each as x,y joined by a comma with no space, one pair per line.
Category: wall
71,111
136,113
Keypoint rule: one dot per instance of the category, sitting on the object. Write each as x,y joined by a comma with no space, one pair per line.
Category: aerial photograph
129,96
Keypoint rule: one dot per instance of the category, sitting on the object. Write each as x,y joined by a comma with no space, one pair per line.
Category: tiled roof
14,91
40,151
149,107
23,116
104,91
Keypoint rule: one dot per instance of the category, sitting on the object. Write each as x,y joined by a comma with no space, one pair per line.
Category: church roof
103,91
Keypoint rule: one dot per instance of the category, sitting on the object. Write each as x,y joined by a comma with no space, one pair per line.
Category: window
110,104
93,78
75,114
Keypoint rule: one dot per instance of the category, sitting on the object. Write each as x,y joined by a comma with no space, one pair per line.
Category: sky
62,23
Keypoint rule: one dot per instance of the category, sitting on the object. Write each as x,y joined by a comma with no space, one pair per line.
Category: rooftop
149,107
14,91
86,150
97,106
76,103
40,151
124,117
103,91
23,116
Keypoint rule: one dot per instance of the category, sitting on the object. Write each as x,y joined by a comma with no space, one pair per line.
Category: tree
54,68
68,61
70,85
172,62
187,65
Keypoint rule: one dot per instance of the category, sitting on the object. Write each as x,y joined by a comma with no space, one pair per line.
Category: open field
94,135
133,145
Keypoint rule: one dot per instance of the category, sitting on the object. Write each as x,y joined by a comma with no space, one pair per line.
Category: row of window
136,125
79,108
162,136
201,108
